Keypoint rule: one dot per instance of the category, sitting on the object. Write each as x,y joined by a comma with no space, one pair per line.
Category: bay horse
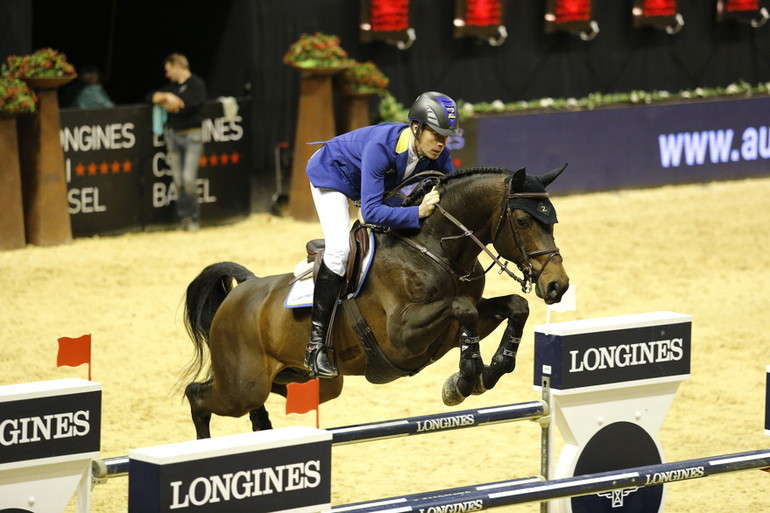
421,298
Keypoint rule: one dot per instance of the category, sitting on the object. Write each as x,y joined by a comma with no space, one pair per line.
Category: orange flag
303,397
74,352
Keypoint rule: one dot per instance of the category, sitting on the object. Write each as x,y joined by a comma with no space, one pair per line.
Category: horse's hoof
450,393
478,387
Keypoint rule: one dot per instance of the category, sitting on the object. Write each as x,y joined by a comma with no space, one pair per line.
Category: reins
525,264
469,233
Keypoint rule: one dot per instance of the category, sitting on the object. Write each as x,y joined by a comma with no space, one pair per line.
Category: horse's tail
204,296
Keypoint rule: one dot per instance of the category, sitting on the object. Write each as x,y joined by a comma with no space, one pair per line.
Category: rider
365,164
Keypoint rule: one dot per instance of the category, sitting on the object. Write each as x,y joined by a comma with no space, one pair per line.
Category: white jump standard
612,381
49,433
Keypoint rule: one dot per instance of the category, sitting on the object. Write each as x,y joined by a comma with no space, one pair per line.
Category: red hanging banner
483,13
662,14
480,18
567,11
746,11
389,15
653,8
386,20
574,16
741,5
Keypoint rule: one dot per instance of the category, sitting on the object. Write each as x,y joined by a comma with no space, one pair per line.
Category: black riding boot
325,294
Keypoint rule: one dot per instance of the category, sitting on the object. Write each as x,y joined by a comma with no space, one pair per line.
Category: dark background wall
237,46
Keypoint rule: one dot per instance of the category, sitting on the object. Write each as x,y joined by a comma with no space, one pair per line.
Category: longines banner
45,422
283,470
599,358
639,146
119,181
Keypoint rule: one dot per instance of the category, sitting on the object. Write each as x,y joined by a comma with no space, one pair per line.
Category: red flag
303,397
74,352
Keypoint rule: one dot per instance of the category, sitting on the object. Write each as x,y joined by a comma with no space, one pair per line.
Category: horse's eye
522,221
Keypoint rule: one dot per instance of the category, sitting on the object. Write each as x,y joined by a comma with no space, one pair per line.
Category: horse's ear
519,177
552,175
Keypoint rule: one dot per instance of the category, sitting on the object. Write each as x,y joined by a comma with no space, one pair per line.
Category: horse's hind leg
215,397
201,416
260,420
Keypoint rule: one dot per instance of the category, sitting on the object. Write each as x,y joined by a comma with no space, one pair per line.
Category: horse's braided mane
419,192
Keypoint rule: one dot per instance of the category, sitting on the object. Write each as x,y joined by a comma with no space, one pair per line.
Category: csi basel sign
268,471
118,177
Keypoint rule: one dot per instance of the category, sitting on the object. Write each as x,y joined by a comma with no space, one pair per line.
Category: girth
379,369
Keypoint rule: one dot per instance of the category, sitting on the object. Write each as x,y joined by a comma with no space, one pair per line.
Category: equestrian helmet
438,111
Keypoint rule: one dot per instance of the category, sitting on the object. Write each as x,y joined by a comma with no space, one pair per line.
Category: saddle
359,249
379,369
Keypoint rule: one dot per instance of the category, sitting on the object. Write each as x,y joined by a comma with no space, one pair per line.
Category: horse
422,297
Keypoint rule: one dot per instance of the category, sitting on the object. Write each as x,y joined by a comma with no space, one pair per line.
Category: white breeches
334,216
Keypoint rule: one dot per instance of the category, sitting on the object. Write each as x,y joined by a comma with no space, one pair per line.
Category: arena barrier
49,434
606,383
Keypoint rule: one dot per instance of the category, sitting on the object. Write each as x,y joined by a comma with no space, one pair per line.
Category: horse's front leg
492,311
471,379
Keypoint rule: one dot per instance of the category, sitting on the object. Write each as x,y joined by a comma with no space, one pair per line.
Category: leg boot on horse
325,295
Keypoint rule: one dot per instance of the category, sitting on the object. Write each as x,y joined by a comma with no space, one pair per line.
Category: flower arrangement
317,50
391,110
16,97
44,63
364,78
598,100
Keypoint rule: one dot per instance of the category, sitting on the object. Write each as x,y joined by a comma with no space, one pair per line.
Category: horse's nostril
554,289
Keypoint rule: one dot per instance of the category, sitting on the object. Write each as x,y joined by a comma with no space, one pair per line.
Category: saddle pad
301,293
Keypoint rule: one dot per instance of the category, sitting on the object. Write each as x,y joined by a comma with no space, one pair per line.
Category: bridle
524,264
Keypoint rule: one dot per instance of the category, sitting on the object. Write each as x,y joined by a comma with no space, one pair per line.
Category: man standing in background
182,99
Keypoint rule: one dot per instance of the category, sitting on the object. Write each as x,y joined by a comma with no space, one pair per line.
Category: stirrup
312,354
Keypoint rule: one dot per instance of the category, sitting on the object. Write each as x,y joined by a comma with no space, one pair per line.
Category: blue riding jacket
366,164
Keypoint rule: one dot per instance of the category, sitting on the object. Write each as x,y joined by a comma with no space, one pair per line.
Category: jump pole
533,410
615,484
